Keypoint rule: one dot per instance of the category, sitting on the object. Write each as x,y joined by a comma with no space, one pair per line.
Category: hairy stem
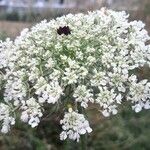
83,142
83,138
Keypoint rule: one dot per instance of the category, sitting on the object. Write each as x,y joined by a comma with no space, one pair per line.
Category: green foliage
128,130
125,131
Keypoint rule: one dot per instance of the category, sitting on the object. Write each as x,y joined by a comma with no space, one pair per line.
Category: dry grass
12,29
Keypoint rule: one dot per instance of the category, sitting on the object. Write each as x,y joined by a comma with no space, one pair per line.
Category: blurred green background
125,131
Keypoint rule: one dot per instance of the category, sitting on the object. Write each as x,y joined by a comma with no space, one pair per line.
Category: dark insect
64,30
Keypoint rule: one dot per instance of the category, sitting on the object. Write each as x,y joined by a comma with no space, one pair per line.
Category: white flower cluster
139,94
76,60
74,125
5,118
107,99
83,95
31,112
48,92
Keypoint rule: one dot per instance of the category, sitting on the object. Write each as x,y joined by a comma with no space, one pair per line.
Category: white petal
147,105
89,130
82,131
63,136
137,108
105,113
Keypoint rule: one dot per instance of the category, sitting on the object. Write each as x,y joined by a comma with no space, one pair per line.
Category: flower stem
83,142
83,138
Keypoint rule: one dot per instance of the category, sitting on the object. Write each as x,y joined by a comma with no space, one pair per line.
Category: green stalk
83,142
67,145
83,138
